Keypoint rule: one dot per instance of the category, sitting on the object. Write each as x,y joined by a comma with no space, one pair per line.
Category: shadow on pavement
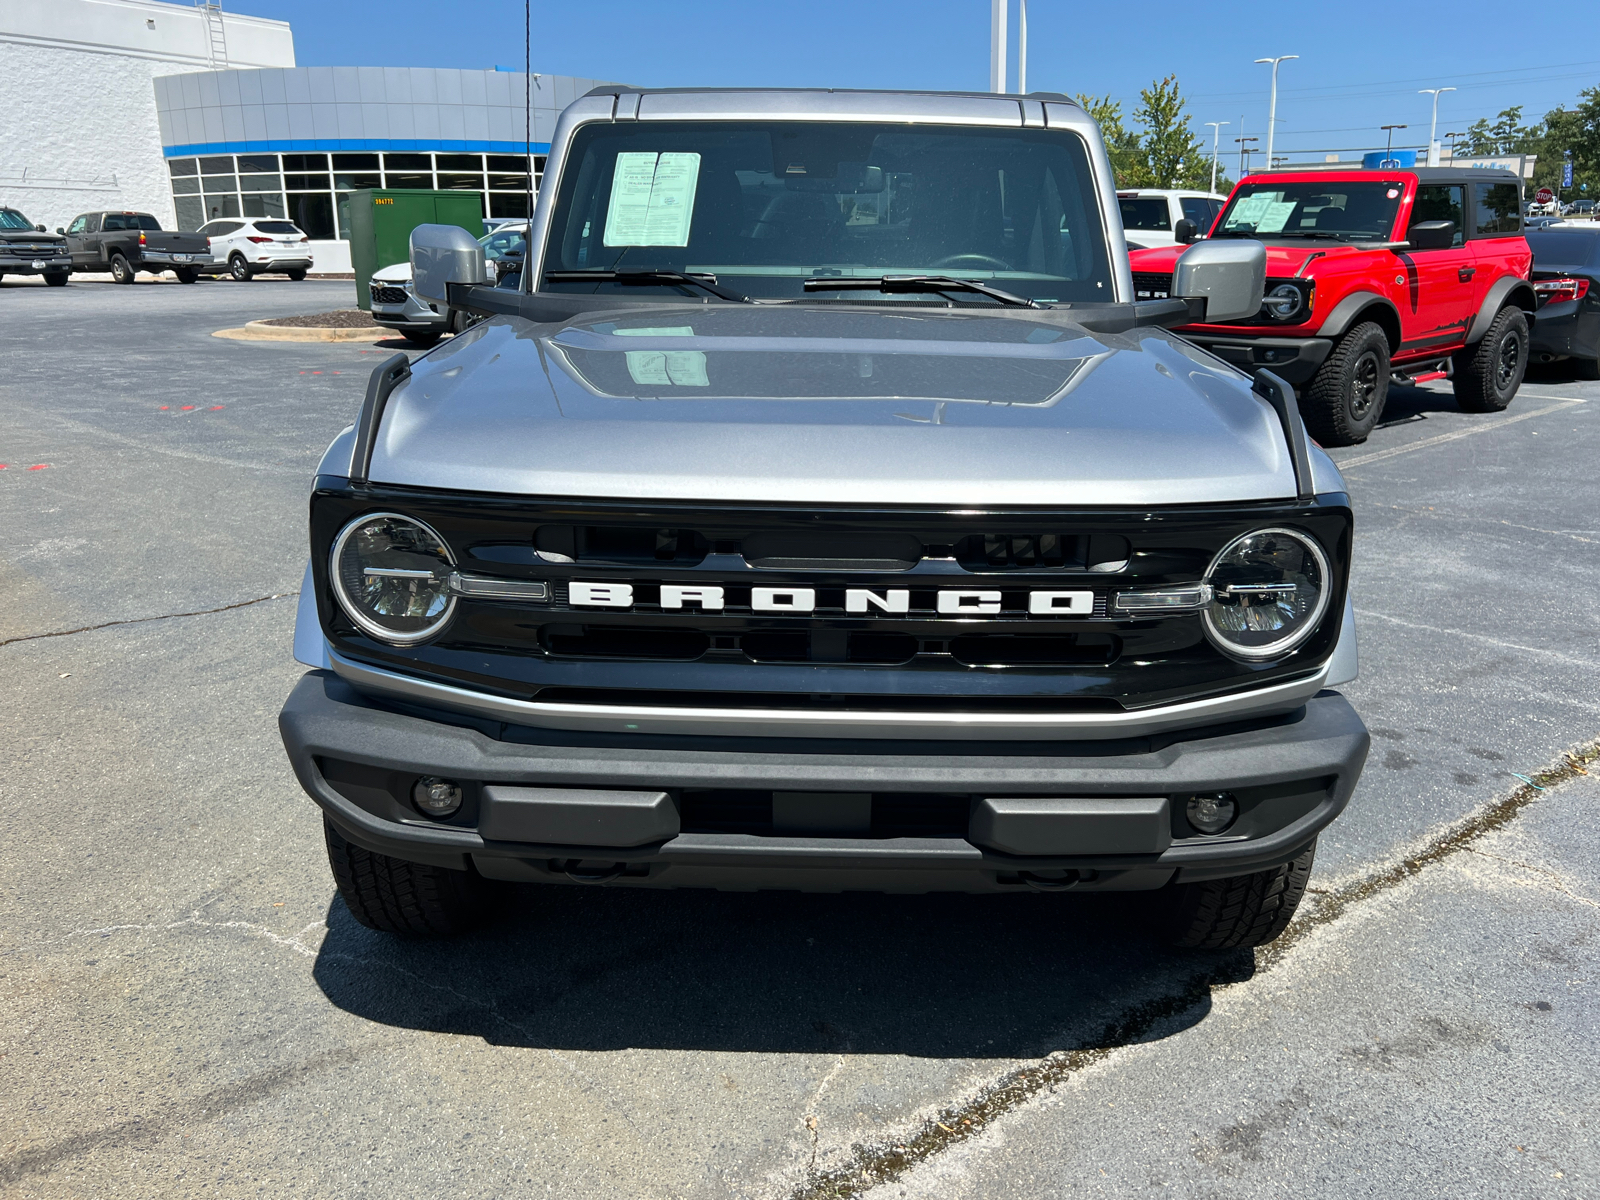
942,976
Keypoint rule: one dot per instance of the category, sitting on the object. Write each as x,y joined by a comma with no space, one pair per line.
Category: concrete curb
260,331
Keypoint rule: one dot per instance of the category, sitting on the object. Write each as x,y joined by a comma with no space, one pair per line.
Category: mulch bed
342,318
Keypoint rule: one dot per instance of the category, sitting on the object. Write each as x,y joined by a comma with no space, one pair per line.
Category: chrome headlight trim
353,611
1284,645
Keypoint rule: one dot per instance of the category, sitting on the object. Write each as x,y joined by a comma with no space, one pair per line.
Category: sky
1360,64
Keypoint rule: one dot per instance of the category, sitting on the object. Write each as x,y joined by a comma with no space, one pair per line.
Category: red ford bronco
1372,276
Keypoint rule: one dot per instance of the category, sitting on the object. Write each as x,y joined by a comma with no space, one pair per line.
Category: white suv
244,247
1150,216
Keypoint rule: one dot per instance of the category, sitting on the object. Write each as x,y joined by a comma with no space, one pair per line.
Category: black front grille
388,295
1150,285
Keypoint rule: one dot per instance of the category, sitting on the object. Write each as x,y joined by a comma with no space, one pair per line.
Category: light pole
997,45
1453,137
1272,110
1388,150
1243,150
1022,46
1216,134
1433,129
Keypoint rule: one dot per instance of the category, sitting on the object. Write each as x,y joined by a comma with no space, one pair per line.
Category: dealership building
192,113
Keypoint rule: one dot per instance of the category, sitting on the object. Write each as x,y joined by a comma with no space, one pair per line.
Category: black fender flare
1508,289
1345,312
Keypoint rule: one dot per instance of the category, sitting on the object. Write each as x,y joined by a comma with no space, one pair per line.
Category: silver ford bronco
818,510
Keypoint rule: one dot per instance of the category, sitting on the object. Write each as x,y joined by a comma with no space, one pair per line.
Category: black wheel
121,270
460,321
1346,396
55,278
1245,910
395,896
297,276
239,269
186,274
423,340
1586,368
1488,375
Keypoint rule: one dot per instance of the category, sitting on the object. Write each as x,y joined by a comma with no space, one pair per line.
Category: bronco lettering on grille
955,602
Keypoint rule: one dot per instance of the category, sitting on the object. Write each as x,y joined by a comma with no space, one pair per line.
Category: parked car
397,306
125,243
1153,216
1542,222
945,568
1566,278
1372,276
27,249
244,247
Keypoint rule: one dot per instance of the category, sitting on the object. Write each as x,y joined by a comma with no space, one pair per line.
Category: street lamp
1216,134
1272,110
1453,137
1433,129
1388,150
1243,150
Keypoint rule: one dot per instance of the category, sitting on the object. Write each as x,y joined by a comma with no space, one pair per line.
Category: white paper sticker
1248,211
668,368
652,198
1272,221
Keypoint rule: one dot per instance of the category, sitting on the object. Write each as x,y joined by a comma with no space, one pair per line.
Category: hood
1283,261
394,273
30,236
838,405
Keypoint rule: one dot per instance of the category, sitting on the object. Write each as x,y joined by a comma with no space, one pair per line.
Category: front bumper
32,264
411,315
1294,360
1099,815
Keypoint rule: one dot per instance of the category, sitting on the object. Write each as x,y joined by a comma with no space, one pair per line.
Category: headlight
1283,302
392,577
1269,590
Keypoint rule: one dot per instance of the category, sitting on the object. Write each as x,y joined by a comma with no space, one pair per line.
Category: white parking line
1362,459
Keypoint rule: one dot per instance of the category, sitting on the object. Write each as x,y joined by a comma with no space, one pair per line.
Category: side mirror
1185,232
1229,275
61,231
442,254
40,229
1432,235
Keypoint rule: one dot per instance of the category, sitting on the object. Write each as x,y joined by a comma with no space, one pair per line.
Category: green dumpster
381,221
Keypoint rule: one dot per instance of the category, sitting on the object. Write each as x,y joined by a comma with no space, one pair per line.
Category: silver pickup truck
821,512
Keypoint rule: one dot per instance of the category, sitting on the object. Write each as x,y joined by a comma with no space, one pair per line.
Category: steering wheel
973,260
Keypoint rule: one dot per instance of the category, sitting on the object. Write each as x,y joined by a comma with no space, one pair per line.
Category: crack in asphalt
199,612
871,1164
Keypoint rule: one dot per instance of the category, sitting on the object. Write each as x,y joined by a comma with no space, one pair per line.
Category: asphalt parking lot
186,1008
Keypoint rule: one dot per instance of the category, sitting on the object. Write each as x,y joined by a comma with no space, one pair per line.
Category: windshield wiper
646,275
918,283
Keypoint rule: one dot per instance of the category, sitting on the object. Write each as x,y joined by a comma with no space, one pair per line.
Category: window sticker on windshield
675,368
652,198
1249,211
1272,221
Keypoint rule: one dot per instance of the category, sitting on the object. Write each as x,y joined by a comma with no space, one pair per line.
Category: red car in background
1372,276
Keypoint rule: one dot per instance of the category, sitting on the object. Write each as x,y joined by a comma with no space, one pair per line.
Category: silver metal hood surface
790,404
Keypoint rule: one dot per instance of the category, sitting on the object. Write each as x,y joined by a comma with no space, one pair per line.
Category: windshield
1144,212
765,205
495,245
10,218
1345,211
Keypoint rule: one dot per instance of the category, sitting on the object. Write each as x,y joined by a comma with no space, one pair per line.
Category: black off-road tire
297,276
239,270
395,896
1245,910
1488,375
186,274
55,278
121,269
423,341
1345,398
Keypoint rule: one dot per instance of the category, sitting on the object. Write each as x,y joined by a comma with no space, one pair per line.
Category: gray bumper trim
755,722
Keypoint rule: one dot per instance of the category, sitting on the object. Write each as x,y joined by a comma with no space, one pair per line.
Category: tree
1173,156
1575,131
1507,135
1122,144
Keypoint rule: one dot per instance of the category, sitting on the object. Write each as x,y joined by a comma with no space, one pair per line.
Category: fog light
1214,812
435,797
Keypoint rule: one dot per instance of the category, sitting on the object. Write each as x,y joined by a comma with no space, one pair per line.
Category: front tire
55,278
424,341
239,270
187,274
297,276
1488,375
395,896
1243,911
121,269
1347,394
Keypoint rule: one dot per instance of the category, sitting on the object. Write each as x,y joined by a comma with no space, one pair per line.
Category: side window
94,223
115,222
1199,210
79,224
1441,202
1497,210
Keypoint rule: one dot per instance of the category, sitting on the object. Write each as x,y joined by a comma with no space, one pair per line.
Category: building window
313,212
191,212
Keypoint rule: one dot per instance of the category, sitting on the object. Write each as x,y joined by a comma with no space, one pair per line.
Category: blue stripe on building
305,145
